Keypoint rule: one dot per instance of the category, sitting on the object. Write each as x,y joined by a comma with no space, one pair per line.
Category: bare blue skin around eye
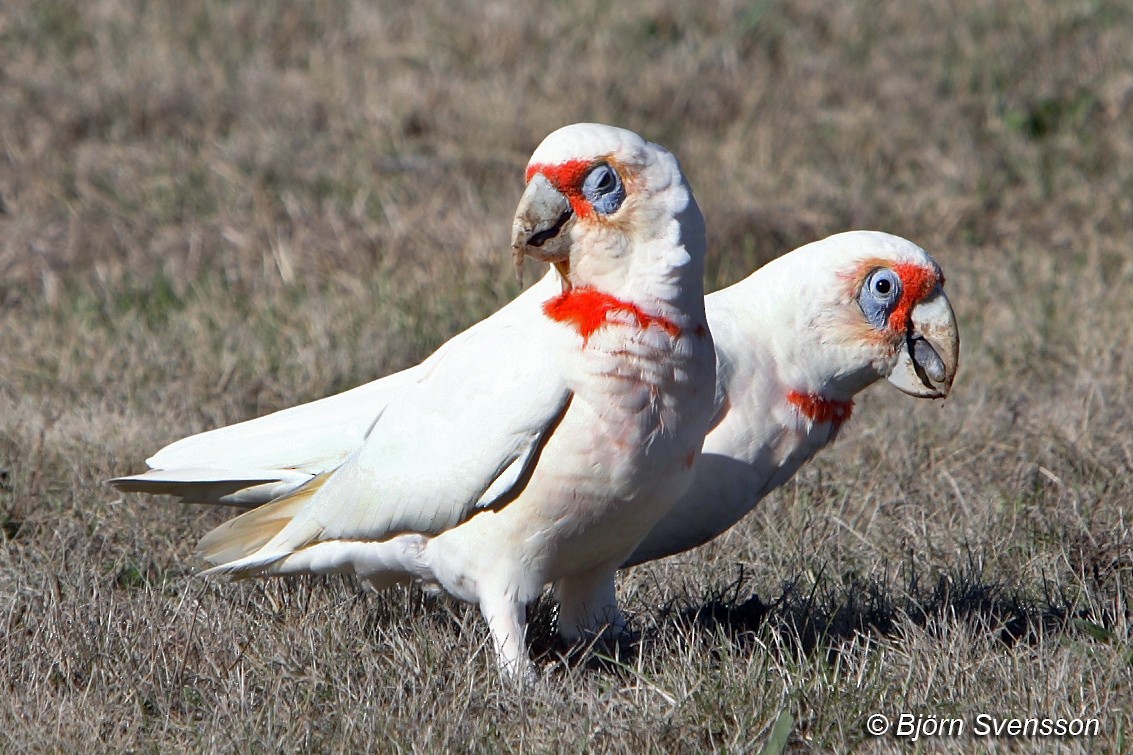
877,307
603,187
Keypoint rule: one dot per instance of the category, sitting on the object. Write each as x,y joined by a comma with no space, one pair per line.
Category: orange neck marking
586,310
819,409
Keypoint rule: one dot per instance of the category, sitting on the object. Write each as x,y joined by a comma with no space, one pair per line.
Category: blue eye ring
880,293
604,189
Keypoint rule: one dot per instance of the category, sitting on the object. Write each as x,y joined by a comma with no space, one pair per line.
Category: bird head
865,305
601,202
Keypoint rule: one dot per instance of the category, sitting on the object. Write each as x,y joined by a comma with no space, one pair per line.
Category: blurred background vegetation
213,209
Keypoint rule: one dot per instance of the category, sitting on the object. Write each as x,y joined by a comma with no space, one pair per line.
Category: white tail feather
230,487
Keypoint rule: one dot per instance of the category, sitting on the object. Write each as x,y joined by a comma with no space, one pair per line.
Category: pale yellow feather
241,537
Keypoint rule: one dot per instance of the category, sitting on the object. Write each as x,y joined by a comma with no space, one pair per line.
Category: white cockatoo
529,450
795,342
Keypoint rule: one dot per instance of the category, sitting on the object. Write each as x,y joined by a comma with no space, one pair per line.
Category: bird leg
588,606
507,619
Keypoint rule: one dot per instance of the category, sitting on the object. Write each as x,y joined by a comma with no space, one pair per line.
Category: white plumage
795,342
794,345
764,341
539,446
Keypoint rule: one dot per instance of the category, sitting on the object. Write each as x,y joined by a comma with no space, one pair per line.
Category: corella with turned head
529,450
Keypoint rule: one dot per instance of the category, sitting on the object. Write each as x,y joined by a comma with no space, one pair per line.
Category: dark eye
604,189
879,295
883,284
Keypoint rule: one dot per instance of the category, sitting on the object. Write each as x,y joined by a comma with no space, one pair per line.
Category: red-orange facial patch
917,282
586,310
567,179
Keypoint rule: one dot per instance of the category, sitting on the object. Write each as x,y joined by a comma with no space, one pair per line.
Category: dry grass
219,209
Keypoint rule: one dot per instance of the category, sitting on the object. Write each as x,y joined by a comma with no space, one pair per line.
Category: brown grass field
218,209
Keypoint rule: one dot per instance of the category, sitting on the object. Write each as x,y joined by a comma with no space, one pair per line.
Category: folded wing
446,447
251,463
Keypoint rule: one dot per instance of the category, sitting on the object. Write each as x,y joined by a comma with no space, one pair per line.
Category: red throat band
819,409
586,310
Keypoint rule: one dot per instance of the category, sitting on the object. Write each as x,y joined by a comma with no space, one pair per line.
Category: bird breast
642,397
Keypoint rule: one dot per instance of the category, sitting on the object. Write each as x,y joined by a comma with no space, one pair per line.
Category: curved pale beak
541,228
930,353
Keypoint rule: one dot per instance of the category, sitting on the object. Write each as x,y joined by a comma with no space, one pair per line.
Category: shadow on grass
828,612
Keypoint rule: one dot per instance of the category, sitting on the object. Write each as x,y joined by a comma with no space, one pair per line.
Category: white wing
463,436
253,462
